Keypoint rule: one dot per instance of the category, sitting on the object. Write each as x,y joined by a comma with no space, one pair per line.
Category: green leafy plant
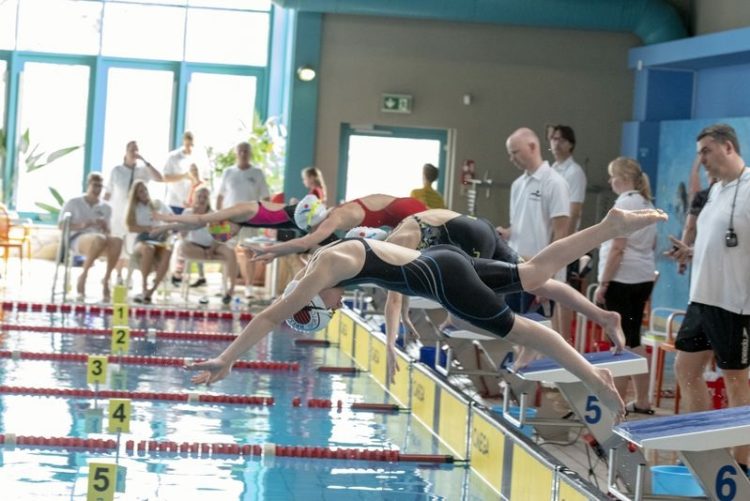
268,146
34,158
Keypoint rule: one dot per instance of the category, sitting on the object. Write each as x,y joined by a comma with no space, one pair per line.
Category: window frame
95,114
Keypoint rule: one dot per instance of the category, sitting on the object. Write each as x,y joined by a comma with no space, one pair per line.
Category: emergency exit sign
396,103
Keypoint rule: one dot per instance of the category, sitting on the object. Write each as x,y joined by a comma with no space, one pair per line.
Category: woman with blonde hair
151,245
313,180
627,270
199,243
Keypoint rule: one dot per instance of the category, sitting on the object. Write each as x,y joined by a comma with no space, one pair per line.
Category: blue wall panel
722,92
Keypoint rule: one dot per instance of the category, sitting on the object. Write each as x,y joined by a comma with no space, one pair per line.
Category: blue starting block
598,419
702,440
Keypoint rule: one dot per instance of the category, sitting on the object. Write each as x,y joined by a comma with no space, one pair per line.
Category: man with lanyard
539,205
717,322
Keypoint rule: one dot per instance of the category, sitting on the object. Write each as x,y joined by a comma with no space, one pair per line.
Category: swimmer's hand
391,363
263,255
213,370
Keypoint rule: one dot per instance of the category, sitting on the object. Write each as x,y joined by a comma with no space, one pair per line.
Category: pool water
34,474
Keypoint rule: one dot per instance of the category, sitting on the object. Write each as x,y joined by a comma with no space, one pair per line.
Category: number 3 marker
97,369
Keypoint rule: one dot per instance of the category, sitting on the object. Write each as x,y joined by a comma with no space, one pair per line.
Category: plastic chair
14,236
188,270
63,259
661,354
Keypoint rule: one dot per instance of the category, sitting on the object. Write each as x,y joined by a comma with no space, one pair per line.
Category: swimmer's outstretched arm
218,368
175,227
548,342
241,210
574,300
297,245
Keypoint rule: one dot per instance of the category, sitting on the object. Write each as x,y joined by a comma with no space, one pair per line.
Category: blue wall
723,91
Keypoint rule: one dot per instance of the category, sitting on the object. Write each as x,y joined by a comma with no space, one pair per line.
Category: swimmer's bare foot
613,330
608,395
626,222
525,357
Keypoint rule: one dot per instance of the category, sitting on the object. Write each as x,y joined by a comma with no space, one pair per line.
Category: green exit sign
396,103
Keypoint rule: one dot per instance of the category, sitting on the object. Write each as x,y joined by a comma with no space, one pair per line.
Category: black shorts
629,300
713,328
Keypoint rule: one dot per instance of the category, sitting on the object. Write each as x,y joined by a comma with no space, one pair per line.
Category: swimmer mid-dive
311,215
478,238
472,295
225,223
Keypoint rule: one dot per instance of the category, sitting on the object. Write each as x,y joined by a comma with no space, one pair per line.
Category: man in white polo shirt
90,233
717,323
243,183
539,204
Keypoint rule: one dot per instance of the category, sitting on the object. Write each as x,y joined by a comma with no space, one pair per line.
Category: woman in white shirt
198,243
627,270
151,246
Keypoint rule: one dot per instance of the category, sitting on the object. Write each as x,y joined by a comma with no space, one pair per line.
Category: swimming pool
27,473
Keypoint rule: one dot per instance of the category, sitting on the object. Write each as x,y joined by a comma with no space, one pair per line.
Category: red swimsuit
392,214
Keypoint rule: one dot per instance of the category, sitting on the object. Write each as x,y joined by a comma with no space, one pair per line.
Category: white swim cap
367,232
313,317
310,211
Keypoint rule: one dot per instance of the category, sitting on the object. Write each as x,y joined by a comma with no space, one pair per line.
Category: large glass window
228,37
139,107
62,26
143,31
8,24
220,109
52,122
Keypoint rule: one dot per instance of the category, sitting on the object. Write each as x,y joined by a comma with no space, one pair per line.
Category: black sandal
632,409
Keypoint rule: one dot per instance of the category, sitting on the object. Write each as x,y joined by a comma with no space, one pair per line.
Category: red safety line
338,370
324,403
137,395
135,333
135,311
143,360
205,450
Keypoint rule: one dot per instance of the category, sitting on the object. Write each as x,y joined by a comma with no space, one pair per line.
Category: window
391,165
233,4
228,37
54,121
139,107
63,26
8,10
143,31
220,109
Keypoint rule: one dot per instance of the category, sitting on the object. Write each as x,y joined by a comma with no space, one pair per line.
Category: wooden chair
14,236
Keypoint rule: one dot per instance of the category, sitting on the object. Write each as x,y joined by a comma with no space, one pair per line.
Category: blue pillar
304,50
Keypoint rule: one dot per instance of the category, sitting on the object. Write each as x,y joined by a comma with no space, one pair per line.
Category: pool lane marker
209,450
149,334
139,395
269,365
96,309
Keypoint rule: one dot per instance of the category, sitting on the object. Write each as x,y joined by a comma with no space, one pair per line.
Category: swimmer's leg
546,341
560,253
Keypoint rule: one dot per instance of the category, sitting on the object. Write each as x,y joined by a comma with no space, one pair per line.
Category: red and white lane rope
146,360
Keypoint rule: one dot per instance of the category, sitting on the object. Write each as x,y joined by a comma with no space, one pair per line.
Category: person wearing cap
373,211
472,295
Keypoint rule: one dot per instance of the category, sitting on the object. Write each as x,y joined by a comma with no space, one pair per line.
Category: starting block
598,419
702,440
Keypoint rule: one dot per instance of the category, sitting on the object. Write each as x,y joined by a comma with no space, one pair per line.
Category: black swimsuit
468,287
476,237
